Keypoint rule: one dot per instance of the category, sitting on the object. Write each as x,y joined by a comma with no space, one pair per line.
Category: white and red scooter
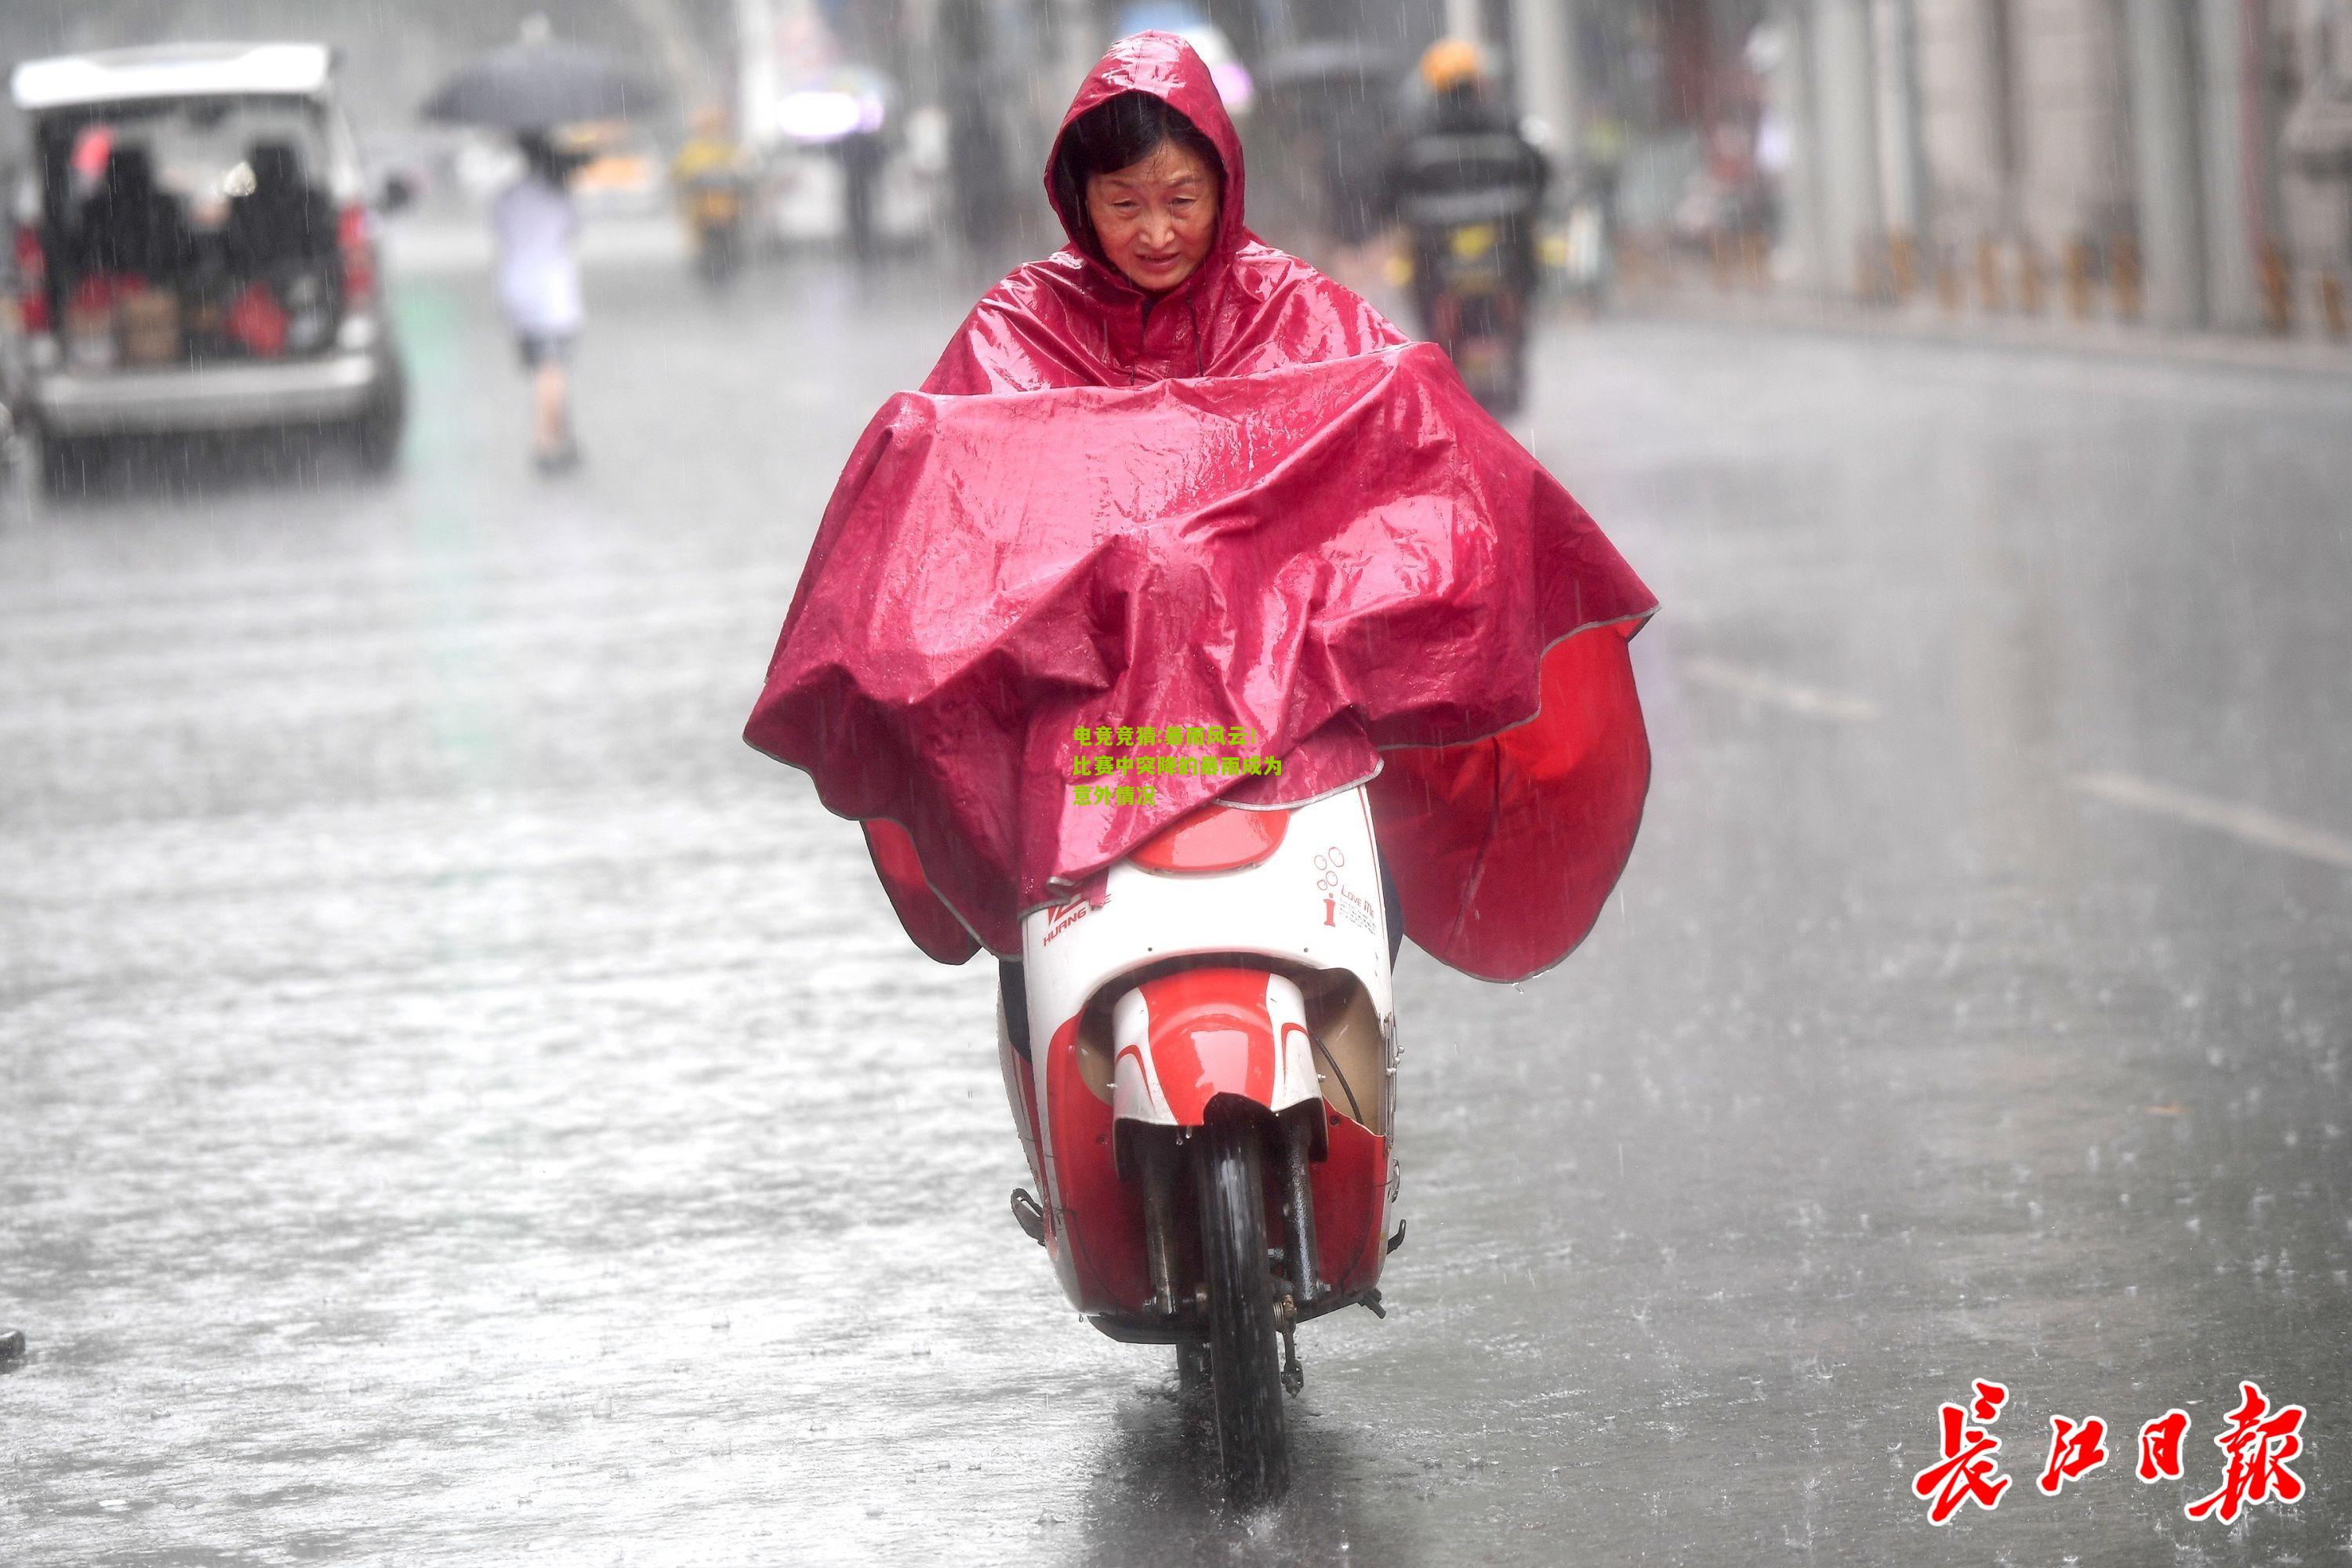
1204,1089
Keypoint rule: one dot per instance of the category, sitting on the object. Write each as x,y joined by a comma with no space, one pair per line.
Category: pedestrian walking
537,223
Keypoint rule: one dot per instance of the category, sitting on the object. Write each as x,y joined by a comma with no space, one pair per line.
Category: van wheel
375,434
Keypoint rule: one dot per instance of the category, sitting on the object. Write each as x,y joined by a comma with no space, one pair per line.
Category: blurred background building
2179,161
2175,163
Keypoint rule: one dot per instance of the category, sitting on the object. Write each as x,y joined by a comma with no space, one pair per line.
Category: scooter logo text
1338,896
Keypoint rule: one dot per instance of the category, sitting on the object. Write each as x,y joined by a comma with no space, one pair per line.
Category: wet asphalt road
463,1106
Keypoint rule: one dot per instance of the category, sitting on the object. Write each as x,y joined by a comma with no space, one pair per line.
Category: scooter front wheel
1245,1363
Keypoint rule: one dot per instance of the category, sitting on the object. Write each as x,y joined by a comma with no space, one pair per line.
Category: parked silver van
194,250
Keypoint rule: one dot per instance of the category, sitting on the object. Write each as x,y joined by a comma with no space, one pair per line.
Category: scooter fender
1183,1041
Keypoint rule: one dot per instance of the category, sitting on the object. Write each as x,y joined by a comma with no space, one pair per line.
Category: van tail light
1213,838
32,279
356,240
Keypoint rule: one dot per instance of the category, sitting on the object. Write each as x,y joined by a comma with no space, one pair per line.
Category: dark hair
1116,134
543,158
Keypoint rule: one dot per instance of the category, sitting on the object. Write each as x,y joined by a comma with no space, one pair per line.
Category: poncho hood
1160,66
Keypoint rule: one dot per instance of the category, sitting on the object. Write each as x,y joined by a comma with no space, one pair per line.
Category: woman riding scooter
1170,473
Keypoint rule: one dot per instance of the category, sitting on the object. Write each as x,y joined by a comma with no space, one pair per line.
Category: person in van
282,219
278,245
132,228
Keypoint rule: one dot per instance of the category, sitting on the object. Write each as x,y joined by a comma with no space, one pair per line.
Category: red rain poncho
1249,503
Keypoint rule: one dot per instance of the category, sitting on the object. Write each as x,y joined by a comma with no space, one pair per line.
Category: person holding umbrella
528,87
538,285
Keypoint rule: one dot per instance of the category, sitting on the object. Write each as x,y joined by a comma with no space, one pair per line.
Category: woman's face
1156,217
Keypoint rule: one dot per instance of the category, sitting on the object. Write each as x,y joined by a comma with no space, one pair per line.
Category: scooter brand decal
1063,917
1339,900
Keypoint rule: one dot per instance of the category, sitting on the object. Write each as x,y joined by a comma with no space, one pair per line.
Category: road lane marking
1812,702
2242,822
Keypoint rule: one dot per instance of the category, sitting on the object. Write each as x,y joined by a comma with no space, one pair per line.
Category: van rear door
197,229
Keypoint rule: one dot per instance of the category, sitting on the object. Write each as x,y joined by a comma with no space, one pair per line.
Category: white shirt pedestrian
539,277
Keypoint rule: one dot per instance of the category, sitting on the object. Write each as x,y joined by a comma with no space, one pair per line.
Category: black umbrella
540,83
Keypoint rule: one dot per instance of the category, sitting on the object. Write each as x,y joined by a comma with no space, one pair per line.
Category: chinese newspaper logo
2258,1450
1967,1471
2255,1445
